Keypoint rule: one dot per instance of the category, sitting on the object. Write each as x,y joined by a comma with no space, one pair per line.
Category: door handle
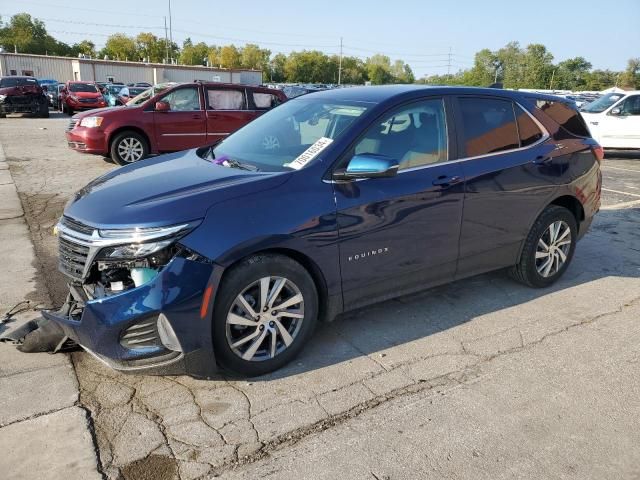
446,181
541,160
196,117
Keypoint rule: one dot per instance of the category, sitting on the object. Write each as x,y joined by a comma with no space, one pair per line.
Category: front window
183,99
415,135
83,87
602,103
277,138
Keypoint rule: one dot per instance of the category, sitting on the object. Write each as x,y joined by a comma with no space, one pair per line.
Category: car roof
382,93
19,76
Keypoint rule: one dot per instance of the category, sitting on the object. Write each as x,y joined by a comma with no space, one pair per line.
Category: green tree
29,35
538,66
277,66
191,54
486,66
120,47
85,47
630,78
230,57
151,47
254,57
510,62
309,66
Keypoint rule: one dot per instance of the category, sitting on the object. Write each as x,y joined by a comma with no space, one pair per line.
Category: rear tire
548,248
129,147
281,329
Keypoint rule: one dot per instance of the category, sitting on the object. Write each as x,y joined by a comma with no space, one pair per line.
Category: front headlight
91,122
134,250
73,97
2,97
131,243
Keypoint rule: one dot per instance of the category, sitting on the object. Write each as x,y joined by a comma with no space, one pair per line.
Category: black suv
22,95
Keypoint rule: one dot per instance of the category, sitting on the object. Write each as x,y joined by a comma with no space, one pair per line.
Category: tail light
598,151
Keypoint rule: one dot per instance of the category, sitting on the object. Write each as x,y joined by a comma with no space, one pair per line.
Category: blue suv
230,254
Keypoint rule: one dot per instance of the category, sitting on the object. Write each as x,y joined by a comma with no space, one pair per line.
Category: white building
69,68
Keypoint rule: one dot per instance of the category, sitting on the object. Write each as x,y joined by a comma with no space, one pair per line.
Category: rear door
227,111
509,171
184,125
622,130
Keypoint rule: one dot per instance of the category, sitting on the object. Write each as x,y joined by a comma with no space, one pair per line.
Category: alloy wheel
553,248
264,319
130,149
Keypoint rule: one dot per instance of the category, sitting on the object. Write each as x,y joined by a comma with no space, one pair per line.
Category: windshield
83,87
273,141
602,103
148,93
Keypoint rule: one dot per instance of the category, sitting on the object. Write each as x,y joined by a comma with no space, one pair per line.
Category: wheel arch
325,312
127,128
572,204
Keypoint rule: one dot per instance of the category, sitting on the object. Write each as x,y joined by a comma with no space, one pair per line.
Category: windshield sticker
310,153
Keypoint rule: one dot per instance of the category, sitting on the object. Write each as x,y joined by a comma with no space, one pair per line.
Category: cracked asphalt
483,378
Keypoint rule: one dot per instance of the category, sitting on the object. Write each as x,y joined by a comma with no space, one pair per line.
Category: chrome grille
76,226
72,124
141,335
88,100
72,258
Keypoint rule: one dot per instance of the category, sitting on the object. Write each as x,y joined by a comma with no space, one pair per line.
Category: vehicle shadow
406,319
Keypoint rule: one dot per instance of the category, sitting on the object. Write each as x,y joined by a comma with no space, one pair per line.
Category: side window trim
459,128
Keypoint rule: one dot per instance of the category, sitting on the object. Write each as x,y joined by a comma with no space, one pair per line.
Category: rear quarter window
567,117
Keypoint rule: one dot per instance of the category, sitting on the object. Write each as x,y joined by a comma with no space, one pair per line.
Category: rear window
489,126
527,128
565,116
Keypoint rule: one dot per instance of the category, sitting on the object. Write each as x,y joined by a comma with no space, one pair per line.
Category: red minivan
169,117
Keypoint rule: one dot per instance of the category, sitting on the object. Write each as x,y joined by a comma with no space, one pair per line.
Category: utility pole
551,82
170,31
166,41
340,64
449,62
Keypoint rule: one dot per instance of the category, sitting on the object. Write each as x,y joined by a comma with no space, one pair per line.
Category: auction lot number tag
310,153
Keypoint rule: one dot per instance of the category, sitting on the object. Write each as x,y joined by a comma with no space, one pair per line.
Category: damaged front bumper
136,298
155,327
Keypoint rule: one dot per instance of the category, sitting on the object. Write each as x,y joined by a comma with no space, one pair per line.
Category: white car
614,120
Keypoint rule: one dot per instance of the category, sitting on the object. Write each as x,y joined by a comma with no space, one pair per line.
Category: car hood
164,190
95,111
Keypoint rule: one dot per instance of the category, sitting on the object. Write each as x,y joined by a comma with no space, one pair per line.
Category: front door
401,233
184,126
623,129
227,111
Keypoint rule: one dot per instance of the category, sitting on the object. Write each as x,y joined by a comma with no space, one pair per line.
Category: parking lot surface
483,378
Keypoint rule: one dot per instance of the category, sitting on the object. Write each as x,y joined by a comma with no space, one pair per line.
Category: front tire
548,249
129,147
265,312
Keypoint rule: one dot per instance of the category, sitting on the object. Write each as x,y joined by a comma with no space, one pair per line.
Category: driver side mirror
162,107
368,165
616,111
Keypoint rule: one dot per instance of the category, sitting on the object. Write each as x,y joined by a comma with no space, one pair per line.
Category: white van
614,119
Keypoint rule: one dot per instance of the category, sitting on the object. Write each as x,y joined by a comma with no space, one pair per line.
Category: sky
433,37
